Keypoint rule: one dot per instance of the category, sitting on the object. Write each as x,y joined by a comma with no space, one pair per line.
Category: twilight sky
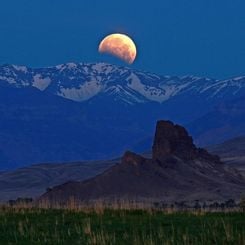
174,37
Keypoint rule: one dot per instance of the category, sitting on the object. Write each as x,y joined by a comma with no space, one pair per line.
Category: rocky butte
178,171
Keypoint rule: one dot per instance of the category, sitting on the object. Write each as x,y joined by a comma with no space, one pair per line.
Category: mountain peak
172,139
132,158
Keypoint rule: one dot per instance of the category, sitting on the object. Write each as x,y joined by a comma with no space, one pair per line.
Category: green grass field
35,226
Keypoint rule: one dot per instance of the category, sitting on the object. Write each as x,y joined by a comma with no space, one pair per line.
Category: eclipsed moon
119,45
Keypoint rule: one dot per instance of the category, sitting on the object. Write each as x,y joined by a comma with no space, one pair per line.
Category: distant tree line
181,206
20,201
198,205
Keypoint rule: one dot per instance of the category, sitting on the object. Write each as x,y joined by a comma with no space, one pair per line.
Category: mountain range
78,111
82,82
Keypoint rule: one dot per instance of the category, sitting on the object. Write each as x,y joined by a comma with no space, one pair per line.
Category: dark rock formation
172,139
178,171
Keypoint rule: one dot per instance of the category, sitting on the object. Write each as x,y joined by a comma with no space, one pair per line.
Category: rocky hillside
232,152
178,171
32,181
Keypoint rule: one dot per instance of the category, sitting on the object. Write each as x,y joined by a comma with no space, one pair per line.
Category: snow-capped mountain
96,111
81,82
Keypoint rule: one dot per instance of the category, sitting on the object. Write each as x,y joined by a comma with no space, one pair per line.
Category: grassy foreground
36,226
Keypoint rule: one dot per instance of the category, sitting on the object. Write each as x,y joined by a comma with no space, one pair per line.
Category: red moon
119,45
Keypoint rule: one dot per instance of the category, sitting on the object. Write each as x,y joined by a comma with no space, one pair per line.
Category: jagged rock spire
172,139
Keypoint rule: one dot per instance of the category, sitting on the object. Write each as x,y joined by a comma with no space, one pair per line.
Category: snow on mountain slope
81,82
41,83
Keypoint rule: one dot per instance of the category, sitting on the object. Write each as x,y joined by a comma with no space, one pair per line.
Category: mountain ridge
225,121
83,81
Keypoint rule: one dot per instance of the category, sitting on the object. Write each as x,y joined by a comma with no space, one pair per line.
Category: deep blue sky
174,37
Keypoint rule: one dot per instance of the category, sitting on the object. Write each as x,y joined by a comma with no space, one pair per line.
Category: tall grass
122,226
